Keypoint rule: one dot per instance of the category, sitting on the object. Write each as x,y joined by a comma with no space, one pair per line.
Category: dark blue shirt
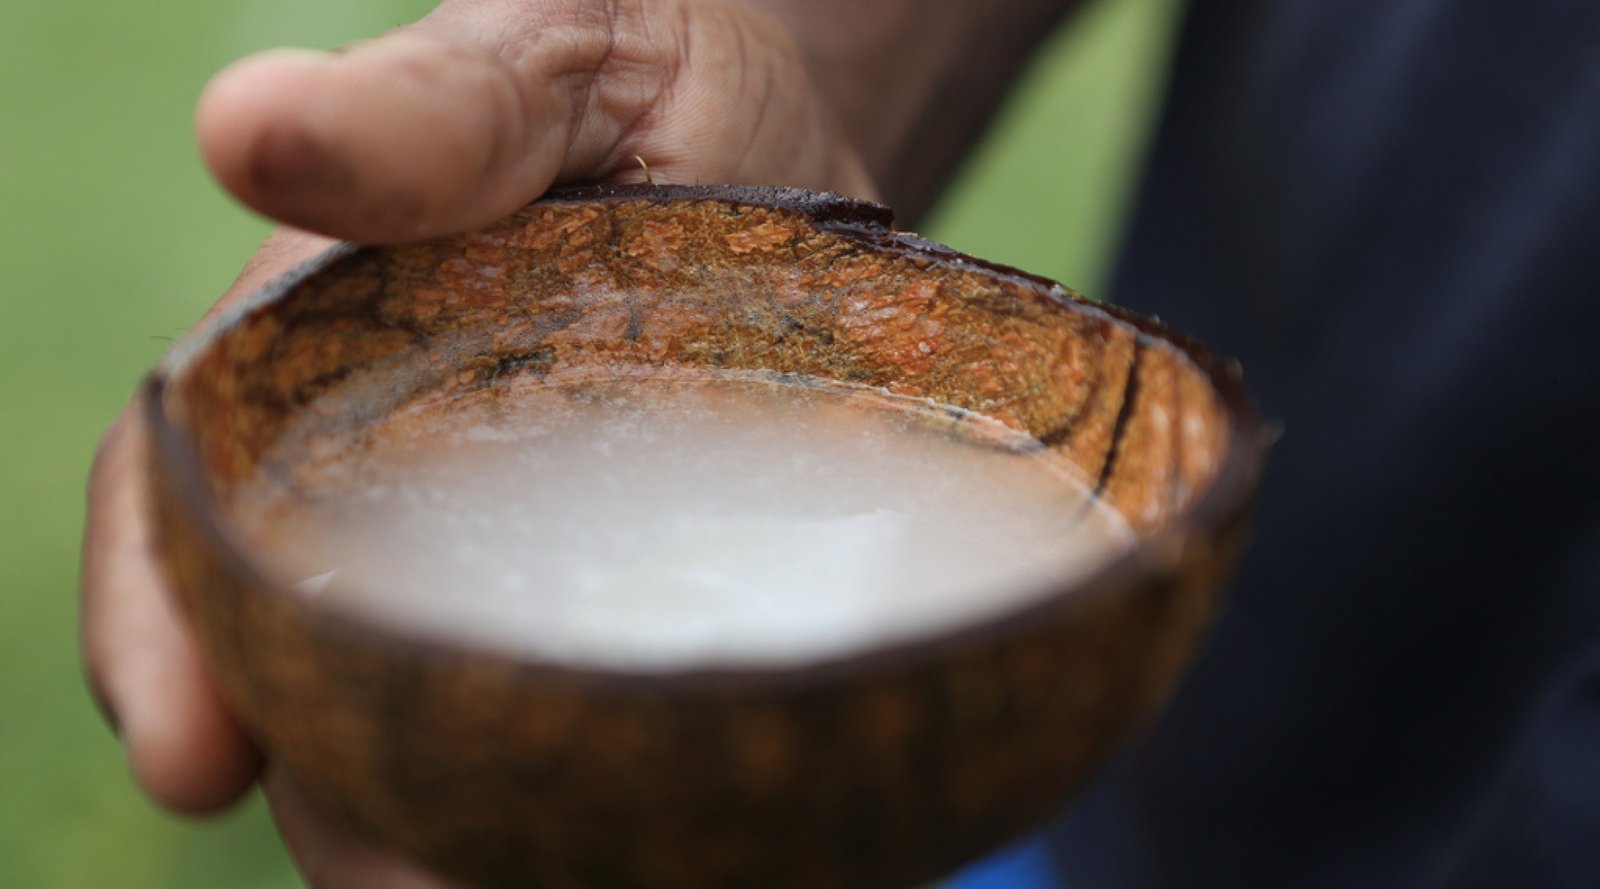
1389,210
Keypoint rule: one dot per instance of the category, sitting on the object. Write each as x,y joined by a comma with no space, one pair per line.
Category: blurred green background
113,240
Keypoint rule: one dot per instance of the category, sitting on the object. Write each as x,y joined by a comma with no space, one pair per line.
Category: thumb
440,127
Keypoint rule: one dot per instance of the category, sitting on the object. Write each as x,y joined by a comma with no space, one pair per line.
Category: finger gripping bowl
881,768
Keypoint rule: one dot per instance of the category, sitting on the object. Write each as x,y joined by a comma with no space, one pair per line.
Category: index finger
184,748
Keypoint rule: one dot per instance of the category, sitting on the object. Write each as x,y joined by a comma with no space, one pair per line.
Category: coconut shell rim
1225,502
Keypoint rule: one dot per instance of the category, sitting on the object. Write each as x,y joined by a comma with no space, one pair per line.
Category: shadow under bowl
877,769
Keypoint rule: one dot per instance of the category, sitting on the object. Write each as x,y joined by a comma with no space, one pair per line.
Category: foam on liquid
675,524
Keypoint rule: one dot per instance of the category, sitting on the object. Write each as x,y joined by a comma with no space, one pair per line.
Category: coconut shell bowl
887,767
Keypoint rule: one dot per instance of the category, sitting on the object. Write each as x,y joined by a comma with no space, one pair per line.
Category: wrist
914,81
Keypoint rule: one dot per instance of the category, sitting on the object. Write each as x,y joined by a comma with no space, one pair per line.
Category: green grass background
113,240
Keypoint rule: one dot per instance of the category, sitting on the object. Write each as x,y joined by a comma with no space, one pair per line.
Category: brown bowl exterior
876,770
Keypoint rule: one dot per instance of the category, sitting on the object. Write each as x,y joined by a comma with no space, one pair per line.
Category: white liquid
670,525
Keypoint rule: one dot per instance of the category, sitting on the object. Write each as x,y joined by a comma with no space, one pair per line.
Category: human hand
437,128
